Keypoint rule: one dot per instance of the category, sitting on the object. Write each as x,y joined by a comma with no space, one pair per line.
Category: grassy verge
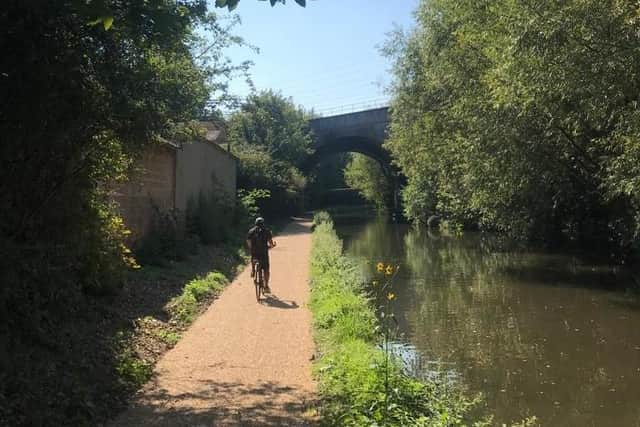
175,294
185,307
356,385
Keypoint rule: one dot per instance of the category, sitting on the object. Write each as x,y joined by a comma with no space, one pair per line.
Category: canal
537,333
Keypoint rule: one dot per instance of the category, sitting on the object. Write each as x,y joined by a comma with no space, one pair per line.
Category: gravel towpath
241,363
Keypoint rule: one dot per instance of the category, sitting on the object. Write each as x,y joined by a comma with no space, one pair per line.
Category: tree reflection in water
537,333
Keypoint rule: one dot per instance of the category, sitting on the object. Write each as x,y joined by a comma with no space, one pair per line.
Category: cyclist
260,240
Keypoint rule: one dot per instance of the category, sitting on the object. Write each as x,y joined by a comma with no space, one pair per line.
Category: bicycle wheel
258,280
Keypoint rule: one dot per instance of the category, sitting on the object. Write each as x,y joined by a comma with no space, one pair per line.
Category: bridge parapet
370,125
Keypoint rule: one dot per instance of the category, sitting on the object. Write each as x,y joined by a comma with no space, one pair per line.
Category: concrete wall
153,184
203,166
167,176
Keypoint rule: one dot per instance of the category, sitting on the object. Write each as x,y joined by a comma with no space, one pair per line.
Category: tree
85,86
82,100
327,174
272,139
232,4
518,116
366,175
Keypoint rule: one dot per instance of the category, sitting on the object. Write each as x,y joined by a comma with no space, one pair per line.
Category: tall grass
356,386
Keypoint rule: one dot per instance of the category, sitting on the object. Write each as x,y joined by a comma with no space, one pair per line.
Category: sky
325,56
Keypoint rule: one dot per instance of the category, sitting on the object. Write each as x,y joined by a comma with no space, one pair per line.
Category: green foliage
232,4
356,384
169,337
249,202
326,175
110,90
134,371
202,288
86,86
165,241
211,215
104,258
272,122
271,138
322,217
185,307
521,117
366,175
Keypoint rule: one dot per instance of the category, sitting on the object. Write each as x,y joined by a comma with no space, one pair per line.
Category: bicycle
258,279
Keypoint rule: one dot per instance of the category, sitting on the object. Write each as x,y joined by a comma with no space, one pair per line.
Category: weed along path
241,363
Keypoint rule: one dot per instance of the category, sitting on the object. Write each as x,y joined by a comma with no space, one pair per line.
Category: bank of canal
537,333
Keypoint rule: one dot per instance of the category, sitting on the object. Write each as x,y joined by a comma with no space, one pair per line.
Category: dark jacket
259,238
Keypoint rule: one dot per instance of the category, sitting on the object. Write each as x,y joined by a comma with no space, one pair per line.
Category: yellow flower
389,270
130,261
380,267
391,296
374,283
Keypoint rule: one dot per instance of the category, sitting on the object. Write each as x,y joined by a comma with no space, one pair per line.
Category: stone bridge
362,132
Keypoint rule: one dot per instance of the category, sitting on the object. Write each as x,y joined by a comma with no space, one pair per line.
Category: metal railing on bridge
351,108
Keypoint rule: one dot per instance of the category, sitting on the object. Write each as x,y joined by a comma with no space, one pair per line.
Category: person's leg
267,274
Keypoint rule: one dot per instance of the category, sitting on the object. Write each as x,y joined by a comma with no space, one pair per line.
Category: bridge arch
361,132
352,144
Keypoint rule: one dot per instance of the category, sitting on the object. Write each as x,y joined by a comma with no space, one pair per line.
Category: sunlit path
241,363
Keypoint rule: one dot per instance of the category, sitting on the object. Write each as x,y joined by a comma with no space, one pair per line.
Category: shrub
249,202
129,367
165,239
185,306
210,215
322,217
202,288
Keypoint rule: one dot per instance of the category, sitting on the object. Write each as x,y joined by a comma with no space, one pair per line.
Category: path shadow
269,404
273,301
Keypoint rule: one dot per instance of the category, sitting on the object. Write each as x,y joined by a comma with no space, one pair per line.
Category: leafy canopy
272,139
367,176
232,4
522,116
86,86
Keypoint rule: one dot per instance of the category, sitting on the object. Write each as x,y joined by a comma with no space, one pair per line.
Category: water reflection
415,364
537,333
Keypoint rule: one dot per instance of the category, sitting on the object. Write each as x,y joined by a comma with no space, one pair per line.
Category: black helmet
259,221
